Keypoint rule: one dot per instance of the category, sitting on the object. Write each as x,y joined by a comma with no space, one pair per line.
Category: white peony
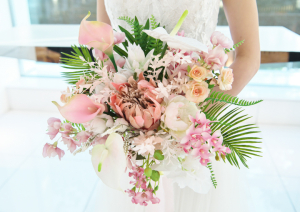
137,61
176,116
177,42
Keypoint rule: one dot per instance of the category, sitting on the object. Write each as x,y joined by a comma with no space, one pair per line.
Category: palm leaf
240,138
212,175
217,96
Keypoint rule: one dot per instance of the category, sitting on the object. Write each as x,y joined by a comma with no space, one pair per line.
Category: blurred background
32,35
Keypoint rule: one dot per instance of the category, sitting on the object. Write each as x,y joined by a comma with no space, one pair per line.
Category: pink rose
197,91
216,57
51,150
225,79
218,38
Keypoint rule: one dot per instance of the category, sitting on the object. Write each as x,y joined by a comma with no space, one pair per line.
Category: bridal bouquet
145,103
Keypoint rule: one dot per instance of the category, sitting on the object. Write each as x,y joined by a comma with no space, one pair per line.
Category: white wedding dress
231,193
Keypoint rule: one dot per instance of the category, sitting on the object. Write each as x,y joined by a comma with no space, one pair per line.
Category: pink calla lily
80,109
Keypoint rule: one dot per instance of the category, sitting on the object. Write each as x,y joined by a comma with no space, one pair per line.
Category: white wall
5,18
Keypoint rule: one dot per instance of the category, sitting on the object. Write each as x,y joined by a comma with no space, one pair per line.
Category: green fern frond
129,21
217,96
75,62
235,46
154,24
212,175
241,139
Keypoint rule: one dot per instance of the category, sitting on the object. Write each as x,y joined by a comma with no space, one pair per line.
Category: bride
200,23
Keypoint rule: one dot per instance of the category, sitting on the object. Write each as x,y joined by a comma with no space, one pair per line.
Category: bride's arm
101,12
242,18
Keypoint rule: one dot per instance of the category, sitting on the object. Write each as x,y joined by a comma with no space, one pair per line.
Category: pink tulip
119,37
96,34
53,127
218,38
216,57
80,109
51,150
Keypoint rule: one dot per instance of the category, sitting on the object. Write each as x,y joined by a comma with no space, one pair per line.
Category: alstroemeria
80,108
109,160
98,35
53,127
51,150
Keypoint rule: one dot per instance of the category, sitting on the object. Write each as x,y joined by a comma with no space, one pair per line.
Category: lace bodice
199,24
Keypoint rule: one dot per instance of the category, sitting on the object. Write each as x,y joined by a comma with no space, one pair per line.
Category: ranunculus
225,79
197,91
199,73
216,57
218,38
176,116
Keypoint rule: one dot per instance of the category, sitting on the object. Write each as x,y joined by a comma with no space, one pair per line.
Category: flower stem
179,23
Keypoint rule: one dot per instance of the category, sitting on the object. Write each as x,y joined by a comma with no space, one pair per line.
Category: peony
225,79
215,57
197,91
218,38
176,116
136,103
199,73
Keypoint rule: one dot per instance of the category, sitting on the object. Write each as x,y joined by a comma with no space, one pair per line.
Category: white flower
137,61
122,123
192,174
176,116
177,42
122,76
100,123
225,79
145,143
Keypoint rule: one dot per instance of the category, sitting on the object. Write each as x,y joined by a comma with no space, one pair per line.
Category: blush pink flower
225,79
51,150
99,54
202,121
66,129
135,102
82,137
53,127
216,139
204,161
218,38
216,57
197,91
202,151
80,108
119,37
70,142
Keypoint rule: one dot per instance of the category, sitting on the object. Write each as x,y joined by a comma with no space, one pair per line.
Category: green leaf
158,155
217,96
155,176
148,172
129,20
120,51
128,35
212,175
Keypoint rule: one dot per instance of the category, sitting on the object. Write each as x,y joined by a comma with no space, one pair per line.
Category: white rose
176,116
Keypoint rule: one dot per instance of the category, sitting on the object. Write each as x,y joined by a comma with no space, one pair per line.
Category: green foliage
155,176
241,139
212,175
148,172
129,21
154,24
158,155
235,46
217,96
74,61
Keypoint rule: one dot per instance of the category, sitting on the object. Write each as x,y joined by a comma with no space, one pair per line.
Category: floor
29,182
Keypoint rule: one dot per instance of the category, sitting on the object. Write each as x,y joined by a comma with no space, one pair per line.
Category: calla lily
98,35
175,41
109,160
80,109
